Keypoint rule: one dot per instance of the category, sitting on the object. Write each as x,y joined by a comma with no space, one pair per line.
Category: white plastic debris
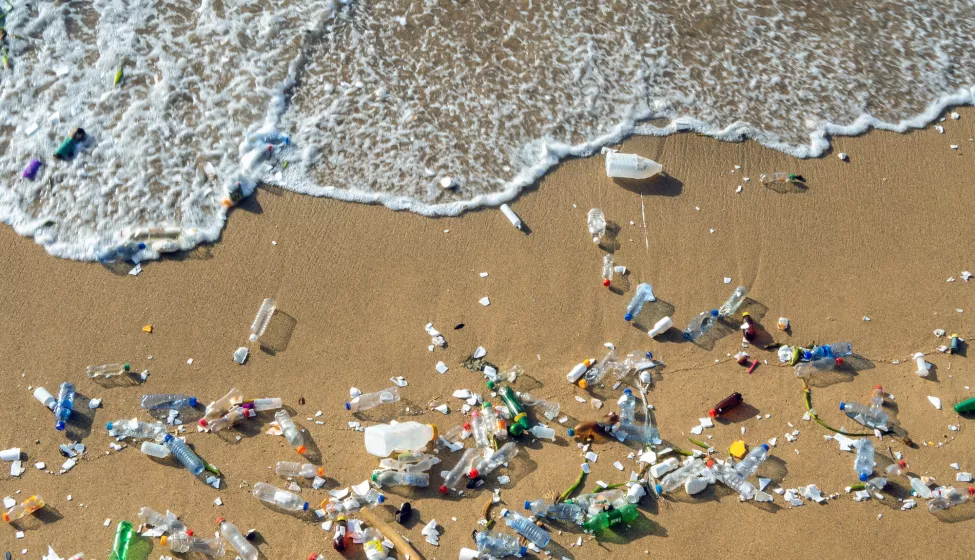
16,468
480,352
399,381
218,501
695,485
430,532
664,467
11,454
9,502
618,466
442,409
955,116
136,270
94,403
591,456
468,554
484,275
485,301
240,355
435,337
843,156
441,368
935,401
966,276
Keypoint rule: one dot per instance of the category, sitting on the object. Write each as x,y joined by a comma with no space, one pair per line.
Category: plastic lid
903,464
658,488
517,429
628,317
490,384
382,498
348,406
839,362
487,404
971,491
374,475
219,520
163,540
108,425
881,387
59,425
714,312
169,437
864,477
305,507
628,391
467,426
203,422
192,401
528,505
524,551
473,474
583,383
842,406
712,413
301,449
572,432
807,355
321,472
649,355
126,366
745,314
190,532
606,282
444,489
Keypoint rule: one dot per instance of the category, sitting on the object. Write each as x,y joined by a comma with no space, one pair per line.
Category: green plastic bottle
123,538
519,419
607,519
967,405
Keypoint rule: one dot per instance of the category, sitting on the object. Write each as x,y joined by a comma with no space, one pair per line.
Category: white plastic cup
44,397
11,454
661,327
630,166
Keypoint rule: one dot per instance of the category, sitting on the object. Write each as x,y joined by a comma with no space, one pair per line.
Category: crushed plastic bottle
598,372
168,522
600,501
184,455
479,430
548,409
167,401
235,415
383,439
821,365
106,371
65,403
230,532
596,222
290,431
136,429
383,479
732,479
866,415
863,462
919,488
607,274
733,302
261,405
570,513
524,527
778,177
678,477
642,295
261,320
366,401
219,407
23,509
606,519
506,453
456,474
303,470
700,324
944,498
281,498
897,468
835,350
752,461
372,544
408,466
183,543
493,423
498,545
627,404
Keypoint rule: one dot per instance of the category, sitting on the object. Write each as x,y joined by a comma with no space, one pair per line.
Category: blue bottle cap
842,406
524,551
765,446
108,426
649,355
628,317
169,437
59,426
528,505
628,391
864,477
192,401
658,488
687,336
807,355
382,498
714,312
305,507
572,432
348,406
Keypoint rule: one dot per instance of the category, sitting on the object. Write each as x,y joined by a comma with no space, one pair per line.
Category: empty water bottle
500,457
219,407
366,401
524,527
606,519
751,462
923,368
548,409
493,423
732,479
897,468
778,177
732,304
945,498
183,543
642,433
281,498
303,470
600,501
498,545
456,474
479,430
596,222
863,462
168,522
700,324
235,415
877,397
627,404
172,402
107,370
260,405
155,450
184,455
835,350
383,479
675,479
920,489
607,270
383,439
261,320
643,294
868,416
821,365
230,532
290,431
65,402
136,429
571,513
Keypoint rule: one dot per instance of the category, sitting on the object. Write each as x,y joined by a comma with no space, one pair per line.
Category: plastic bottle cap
219,520
382,498
321,472
305,507
490,384
348,406
765,446
487,404
108,426
649,355
712,413
374,475
524,551
467,426
203,422
473,474
190,532
714,312
842,406
606,282
127,367
169,437
583,383
903,464
880,387
839,362
658,488
971,491
807,355
745,314
192,401
301,449
864,477
628,317
628,391
572,432
444,489
59,426
163,540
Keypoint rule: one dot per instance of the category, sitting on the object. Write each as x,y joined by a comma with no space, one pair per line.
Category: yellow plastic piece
147,329
737,450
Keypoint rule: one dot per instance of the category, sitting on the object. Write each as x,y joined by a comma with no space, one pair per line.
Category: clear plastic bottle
945,498
863,462
479,430
484,467
281,498
778,177
835,350
235,415
184,455
642,433
498,545
493,423
526,528
732,304
548,409
456,474
366,401
219,407
607,274
920,489
183,543
136,429
172,402
675,479
602,368
155,450
303,470
643,294
260,405
290,431
627,404
897,468
383,439
808,369
25,508
230,532
168,522
571,513
372,544
751,462
872,417
730,477
596,222
422,465
398,478
877,397
600,501
65,403
105,371
262,319
700,324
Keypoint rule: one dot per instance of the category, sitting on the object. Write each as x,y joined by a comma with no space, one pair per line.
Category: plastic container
366,401
821,365
106,371
229,531
168,401
168,522
524,527
543,432
65,403
872,417
155,450
897,469
726,404
661,327
747,466
290,431
136,429
945,498
863,462
519,418
11,454
498,545
730,477
44,397
599,371
700,324
596,223
922,365
456,474
184,455
303,470
606,519
643,294
261,320
630,166
235,415
676,478
383,439
919,488
281,498
25,508
731,305
570,513
219,407
607,274
372,544
183,543
484,467
383,479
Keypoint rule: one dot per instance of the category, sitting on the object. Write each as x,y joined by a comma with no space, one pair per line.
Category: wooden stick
401,544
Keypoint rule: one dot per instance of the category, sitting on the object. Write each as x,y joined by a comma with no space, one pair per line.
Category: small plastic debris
430,532
485,301
512,217
147,329
843,156
443,409
592,456
935,401
955,115
737,449
441,368
963,477
218,501
94,403
240,355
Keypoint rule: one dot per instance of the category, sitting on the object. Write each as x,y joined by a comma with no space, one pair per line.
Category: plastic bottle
124,534
589,430
372,544
219,407
571,513
230,532
27,507
596,222
479,430
62,410
184,455
730,477
967,405
835,350
44,397
872,417
945,498
548,409
492,422
630,166
340,539
676,478
383,439
922,365
877,397
422,465
183,543
661,327
749,332
543,432
646,433
484,467
896,469
498,545
261,320
512,217
700,324
600,501
920,489
233,416
260,405
726,404
606,519
955,344
106,370
136,429
303,470
281,498
808,369
778,177
168,522
456,474
171,402
607,269
519,418
579,370
733,302
524,527
863,462
290,431
366,401
643,294
627,404
383,479
751,462
67,147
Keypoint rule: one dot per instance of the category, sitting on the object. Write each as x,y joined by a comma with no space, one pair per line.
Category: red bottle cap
712,413
312,556
444,489
881,387
467,426
219,520
203,422
839,361
903,464
473,474
190,532
606,282
971,491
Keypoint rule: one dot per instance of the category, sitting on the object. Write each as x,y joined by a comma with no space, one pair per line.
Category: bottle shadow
661,184
44,516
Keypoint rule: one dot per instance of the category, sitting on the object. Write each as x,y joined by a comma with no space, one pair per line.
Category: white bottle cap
11,454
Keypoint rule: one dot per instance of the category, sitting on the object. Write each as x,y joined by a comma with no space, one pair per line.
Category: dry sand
876,237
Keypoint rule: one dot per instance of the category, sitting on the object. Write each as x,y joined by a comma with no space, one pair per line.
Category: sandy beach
875,237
